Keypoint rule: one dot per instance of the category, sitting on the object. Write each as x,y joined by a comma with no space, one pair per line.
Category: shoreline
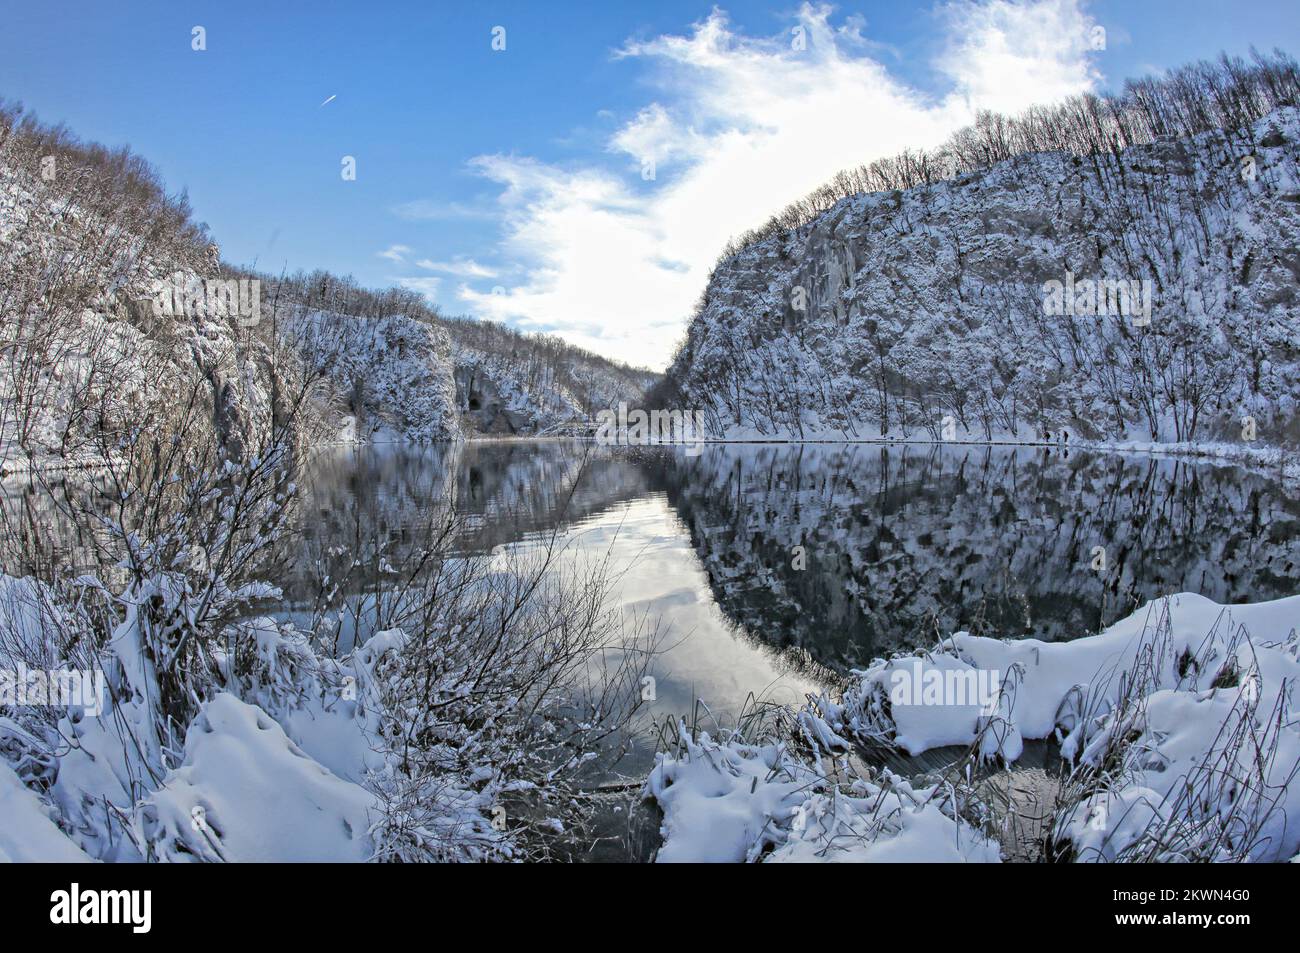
1270,459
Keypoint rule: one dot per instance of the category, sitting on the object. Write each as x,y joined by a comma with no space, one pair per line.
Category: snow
889,825
719,800
1049,671
28,833
245,792
731,802
1190,690
291,760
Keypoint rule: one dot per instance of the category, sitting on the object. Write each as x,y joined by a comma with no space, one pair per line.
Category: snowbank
1042,677
727,802
29,833
245,792
1179,726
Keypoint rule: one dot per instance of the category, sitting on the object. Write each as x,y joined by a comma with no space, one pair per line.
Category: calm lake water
773,565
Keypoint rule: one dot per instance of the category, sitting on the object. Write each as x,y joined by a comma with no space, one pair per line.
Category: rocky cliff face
387,378
893,311
83,349
483,404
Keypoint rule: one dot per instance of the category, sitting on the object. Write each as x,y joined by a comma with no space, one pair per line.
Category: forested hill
983,289
115,303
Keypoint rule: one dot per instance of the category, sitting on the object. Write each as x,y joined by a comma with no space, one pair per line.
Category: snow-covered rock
922,312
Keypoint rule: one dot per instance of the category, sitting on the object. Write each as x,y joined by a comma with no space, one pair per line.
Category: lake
775,568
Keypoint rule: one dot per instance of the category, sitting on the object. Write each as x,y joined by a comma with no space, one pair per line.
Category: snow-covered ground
284,763
727,802
1179,726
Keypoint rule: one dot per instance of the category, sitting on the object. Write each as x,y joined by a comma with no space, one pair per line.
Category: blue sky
517,184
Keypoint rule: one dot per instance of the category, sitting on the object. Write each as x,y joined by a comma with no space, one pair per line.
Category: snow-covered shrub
453,725
1199,769
727,800
514,675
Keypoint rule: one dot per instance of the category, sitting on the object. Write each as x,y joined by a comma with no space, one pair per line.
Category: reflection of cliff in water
499,492
903,543
37,536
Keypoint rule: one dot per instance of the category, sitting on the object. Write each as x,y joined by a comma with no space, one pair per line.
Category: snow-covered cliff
897,312
512,383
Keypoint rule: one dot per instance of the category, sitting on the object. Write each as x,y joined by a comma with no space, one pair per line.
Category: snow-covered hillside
898,312
108,306
110,295
512,383
387,378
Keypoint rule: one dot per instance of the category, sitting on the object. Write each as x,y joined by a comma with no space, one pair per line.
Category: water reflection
904,543
839,552
896,544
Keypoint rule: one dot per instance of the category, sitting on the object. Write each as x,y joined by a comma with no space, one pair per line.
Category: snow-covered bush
726,800
452,725
514,675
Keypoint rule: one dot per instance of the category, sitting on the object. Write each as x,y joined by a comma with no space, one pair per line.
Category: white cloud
1008,56
741,127
464,267
426,286
394,253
